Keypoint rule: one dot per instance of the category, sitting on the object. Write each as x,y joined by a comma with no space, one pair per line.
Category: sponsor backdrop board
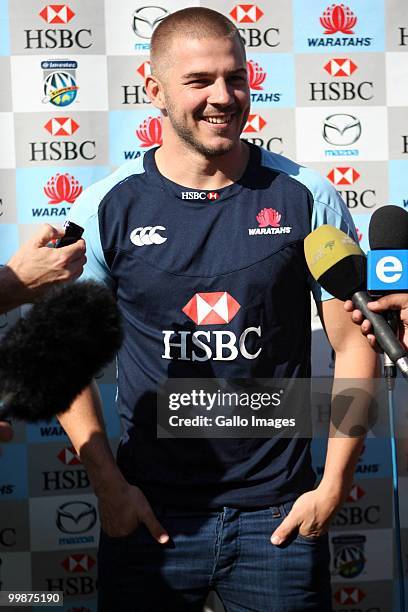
329,88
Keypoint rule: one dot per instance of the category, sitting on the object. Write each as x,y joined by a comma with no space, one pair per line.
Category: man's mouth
218,119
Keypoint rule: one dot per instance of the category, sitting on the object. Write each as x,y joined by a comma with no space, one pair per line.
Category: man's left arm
312,512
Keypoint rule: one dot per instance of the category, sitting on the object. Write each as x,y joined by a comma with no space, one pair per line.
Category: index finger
75,250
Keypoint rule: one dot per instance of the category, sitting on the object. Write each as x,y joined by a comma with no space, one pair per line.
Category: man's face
206,93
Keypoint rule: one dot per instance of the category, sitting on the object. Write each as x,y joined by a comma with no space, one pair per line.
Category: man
394,301
203,293
31,271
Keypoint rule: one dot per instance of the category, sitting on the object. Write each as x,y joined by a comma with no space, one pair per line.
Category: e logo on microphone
387,270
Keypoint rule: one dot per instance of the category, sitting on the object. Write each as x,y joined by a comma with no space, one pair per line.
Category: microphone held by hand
53,353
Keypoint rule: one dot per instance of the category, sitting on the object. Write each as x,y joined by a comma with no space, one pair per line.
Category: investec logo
199,195
339,19
269,223
212,308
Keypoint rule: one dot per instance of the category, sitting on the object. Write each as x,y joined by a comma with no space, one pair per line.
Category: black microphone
388,230
339,265
53,353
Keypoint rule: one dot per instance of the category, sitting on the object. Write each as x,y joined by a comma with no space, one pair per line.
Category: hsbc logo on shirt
200,195
211,308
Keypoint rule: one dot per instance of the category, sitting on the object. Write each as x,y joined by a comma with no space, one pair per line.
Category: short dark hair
193,22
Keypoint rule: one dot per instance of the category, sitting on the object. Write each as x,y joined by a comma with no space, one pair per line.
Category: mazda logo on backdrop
341,129
146,18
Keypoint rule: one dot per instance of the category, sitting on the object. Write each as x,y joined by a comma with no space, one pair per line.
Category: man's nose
220,93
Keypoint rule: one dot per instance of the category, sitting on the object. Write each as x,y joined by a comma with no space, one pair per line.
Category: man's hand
394,301
123,512
6,431
310,515
35,266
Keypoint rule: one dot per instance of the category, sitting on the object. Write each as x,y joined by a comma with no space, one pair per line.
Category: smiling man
202,243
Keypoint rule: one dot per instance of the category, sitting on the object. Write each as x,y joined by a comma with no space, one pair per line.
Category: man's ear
154,90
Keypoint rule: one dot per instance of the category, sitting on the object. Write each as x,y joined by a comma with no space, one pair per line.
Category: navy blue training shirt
209,284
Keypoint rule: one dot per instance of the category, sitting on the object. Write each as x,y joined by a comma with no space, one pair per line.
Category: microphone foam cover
388,228
53,353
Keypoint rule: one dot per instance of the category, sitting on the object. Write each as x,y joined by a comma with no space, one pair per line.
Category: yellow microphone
339,265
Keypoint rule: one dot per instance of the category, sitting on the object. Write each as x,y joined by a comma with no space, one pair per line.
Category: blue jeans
228,552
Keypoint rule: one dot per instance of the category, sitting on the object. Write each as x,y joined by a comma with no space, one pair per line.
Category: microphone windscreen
53,353
388,228
335,261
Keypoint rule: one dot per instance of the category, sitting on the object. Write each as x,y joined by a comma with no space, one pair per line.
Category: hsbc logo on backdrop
348,596
57,37
61,126
339,22
78,563
57,13
136,94
69,456
211,308
343,176
344,91
149,132
340,67
255,123
256,79
356,493
254,37
62,150
246,13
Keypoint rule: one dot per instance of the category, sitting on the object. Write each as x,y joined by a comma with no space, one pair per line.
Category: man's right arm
122,507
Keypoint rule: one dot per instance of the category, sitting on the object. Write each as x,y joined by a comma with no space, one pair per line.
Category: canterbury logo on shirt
145,236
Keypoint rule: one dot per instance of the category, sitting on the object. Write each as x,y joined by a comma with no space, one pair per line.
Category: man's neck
191,169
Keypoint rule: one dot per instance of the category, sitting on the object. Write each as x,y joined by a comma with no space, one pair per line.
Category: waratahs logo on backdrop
132,133
271,79
46,195
60,88
323,26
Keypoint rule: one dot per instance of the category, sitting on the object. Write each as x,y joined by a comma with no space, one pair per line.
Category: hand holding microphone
339,265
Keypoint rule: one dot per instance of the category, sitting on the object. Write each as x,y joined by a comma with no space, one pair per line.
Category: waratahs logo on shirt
78,563
60,88
339,27
349,555
269,223
150,132
214,308
62,188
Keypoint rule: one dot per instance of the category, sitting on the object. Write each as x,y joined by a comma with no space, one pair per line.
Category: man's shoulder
87,204
319,187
